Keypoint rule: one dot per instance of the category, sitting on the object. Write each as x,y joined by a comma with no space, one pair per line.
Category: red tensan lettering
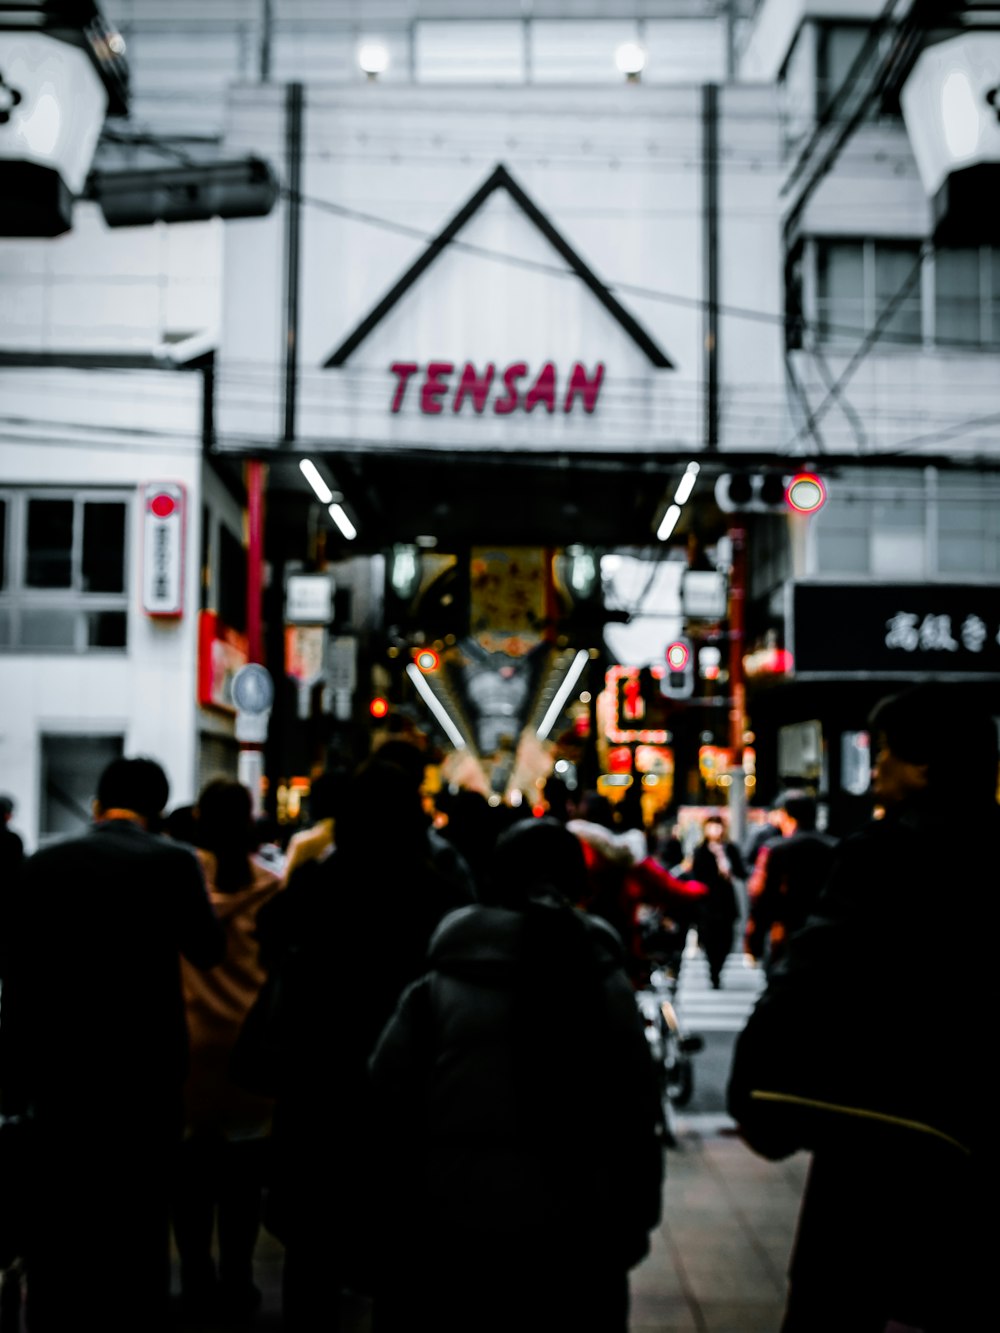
434,386
402,370
478,386
543,390
587,387
510,377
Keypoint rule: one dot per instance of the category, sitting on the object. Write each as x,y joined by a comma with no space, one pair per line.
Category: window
857,280
63,582
71,767
968,527
967,295
838,46
875,526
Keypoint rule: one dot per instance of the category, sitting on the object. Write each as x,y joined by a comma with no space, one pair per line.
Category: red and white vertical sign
163,511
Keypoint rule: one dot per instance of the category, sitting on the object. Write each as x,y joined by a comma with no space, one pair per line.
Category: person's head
796,810
181,824
6,808
225,828
930,745
381,814
714,829
406,757
326,793
537,857
138,786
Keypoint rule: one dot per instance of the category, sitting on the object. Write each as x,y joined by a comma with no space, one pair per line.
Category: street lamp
630,59
62,70
950,104
373,59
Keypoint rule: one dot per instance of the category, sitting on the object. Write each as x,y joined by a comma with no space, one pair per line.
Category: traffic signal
427,660
379,707
678,680
770,492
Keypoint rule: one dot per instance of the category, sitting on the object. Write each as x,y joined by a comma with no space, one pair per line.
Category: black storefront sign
895,629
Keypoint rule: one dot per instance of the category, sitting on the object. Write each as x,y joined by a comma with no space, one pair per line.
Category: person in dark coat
868,1045
343,940
787,879
717,864
94,1044
518,1107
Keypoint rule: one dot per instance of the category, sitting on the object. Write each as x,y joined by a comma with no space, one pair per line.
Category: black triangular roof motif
501,179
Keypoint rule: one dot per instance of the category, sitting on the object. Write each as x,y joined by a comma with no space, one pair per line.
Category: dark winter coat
570,1158
720,903
791,876
344,940
868,1048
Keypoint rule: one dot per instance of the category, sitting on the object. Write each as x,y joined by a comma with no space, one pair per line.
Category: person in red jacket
626,885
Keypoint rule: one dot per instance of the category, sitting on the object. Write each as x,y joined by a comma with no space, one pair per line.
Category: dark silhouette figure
717,863
521,1157
787,878
11,846
94,1044
344,939
868,1044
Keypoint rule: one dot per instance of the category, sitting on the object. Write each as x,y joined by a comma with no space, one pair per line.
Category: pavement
717,1261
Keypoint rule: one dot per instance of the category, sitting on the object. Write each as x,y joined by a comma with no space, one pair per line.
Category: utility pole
737,680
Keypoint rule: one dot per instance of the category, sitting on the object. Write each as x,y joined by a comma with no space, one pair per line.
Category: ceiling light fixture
669,522
339,516
311,473
563,693
686,484
435,705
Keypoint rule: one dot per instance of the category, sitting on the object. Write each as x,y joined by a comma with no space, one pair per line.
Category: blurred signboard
308,599
895,629
703,594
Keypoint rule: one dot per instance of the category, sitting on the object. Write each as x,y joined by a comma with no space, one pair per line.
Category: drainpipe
710,241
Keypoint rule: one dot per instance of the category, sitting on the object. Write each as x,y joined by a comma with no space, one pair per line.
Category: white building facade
581,252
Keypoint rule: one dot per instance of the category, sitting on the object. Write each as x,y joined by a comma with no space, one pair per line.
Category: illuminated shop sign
898,629
163,550
513,388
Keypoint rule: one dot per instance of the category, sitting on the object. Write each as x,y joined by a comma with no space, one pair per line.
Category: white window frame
16,597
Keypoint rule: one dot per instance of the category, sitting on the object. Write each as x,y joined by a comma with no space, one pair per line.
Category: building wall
146,693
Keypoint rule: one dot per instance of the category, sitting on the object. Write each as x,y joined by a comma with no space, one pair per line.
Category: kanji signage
896,629
163,550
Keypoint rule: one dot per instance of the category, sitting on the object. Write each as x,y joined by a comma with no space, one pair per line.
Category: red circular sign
163,505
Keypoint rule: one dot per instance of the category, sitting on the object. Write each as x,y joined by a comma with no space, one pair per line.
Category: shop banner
896,629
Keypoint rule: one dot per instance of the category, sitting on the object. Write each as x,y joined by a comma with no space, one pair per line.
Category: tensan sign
503,390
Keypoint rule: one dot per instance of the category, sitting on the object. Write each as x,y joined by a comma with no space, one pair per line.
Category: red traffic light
678,655
379,707
427,660
805,493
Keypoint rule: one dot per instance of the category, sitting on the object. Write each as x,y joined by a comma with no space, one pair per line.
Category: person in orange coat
221,1170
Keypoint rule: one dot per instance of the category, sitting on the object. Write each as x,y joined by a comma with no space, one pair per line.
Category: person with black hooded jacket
867,1047
519,1112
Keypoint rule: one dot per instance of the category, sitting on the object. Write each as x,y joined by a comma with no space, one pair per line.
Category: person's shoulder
605,938
474,930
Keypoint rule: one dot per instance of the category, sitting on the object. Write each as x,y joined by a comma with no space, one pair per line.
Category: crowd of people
367,1039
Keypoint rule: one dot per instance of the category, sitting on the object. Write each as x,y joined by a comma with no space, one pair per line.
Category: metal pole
294,104
710,240
737,680
255,475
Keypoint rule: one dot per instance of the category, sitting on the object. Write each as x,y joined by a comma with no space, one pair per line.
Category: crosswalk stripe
703,1009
